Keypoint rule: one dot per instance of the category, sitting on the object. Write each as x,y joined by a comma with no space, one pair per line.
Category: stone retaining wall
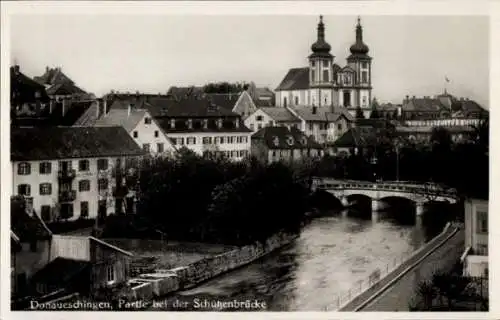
162,282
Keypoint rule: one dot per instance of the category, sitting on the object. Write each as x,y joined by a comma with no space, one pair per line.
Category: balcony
67,196
67,174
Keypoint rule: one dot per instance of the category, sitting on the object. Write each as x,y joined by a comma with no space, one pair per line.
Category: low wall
398,297
162,282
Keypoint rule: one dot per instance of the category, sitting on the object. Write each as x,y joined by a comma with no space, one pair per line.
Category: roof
295,79
48,143
309,114
224,100
181,126
263,102
186,108
53,76
284,138
356,137
122,117
60,270
280,114
469,106
65,88
24,89
110,246
24,226
428,129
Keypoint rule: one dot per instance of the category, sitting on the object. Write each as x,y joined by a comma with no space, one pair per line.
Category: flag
447,80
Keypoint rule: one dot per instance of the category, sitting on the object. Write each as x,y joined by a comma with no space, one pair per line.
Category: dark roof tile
48,143
284,138
295,79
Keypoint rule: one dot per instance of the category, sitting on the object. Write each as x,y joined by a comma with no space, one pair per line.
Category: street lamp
373,161
397,146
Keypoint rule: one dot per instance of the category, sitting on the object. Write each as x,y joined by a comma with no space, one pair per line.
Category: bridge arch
325,201
358,204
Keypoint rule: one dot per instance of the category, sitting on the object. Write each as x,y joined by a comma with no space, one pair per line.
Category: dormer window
219,123
289,140
147,120
276,141
172,123
304,140
205,123
236,123
190,124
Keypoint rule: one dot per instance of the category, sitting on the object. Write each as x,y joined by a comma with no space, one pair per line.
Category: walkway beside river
397,300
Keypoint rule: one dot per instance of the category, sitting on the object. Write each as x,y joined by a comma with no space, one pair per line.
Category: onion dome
359,48
321,47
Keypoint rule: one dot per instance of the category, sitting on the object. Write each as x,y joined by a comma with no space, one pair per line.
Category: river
330,256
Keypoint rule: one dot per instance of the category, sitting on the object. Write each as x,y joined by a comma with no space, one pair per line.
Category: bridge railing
423,189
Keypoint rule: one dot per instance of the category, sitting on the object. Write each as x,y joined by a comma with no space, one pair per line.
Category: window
274,153
326,76
364,77
258,118
313,76
313,63
284,102
325,63
45,167
84,185
296,101
221,140
180,141
103,184
482,222
191,140
110,273
83,165
364,65
24,168
46,213
45,189
252,127
160,147
156,133
102,164
24,190
311,127
146,147
364,100
147,120
259,126
339,126
84,209
136,134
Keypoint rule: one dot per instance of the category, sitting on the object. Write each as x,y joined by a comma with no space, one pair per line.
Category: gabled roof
25,227
53,76
309,113
65,88
50,143
122,117
280,114
469,106
295,79
224,100
24,89
284,138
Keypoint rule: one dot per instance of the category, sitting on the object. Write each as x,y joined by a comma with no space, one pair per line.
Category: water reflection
332,254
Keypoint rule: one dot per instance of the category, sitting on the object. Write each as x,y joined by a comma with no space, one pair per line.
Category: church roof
295,79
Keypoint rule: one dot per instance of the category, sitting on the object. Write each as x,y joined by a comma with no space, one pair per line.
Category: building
323,126
201,126
271,144
262,97
475,257
45,264
272,117
423,134
325,84
74,172
240,103
140,126
59,86
355,140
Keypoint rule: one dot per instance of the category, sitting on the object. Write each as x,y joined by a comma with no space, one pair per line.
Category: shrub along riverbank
191,198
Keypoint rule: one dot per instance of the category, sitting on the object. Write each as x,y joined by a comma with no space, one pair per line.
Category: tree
375,114
359,113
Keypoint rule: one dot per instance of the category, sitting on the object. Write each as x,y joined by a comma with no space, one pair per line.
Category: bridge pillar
420,209
376,206
344,201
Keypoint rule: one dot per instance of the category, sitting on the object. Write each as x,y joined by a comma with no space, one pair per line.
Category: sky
412,55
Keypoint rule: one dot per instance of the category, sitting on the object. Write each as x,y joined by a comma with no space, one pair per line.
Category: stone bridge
378,191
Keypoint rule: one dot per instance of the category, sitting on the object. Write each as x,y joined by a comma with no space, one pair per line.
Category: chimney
47,69
105,106
16,69
129,109
414,97
98,107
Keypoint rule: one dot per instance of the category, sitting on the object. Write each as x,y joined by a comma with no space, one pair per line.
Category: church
326,85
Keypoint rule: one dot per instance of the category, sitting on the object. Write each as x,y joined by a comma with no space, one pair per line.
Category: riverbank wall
162,282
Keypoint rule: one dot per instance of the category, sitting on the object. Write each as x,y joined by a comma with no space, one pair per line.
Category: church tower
361,63
320,70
